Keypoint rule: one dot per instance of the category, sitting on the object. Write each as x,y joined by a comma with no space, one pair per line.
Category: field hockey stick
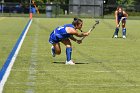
91,29
118,25
121,20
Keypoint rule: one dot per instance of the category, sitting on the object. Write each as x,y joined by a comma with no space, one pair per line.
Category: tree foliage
128,2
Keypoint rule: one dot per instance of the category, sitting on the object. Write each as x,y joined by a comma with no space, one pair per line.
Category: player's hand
79,41
118,26
86,33
123,18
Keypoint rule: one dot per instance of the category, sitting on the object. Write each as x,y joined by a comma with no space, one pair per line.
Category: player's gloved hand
118,26
124,18
86,33
79,41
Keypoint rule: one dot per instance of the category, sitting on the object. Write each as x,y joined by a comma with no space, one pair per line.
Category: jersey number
59,28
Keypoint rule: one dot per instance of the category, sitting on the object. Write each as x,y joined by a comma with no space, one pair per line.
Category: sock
68,53
124,31
53,50
116,31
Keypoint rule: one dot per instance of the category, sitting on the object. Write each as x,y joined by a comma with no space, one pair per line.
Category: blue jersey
60,33
120,15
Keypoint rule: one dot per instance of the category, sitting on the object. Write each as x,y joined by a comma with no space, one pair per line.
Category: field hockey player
120,17
64,34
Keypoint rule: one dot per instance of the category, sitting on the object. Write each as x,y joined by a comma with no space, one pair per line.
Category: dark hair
76,21
119,8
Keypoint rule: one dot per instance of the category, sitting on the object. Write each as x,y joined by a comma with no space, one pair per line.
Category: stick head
97,21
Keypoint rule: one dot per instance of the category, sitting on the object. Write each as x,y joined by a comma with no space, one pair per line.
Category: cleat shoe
53,51
70,62
115,36
124,37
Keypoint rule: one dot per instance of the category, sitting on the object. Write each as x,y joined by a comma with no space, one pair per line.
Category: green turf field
10,30
103,64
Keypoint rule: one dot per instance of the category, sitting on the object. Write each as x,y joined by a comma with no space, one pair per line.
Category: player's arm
74,39
116,18
75,32
125,14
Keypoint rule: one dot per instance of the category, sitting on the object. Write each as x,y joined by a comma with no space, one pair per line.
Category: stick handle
97,22
88,32
83,37
121,20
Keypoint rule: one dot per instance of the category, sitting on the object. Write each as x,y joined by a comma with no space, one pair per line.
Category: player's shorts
53,38
119,18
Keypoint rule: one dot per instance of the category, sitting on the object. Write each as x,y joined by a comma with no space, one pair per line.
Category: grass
10,30
103,64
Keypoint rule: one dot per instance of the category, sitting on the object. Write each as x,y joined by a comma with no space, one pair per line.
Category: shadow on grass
64,63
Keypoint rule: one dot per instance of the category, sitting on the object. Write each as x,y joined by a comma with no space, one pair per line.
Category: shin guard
124,31
116,31
68,53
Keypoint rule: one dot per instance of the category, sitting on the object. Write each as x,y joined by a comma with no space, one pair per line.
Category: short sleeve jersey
61,32
120,15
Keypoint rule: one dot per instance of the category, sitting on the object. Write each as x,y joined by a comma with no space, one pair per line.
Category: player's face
120,10
79,26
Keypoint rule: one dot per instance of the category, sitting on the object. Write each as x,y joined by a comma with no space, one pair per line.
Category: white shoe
115,36
70,62
53,51
124,37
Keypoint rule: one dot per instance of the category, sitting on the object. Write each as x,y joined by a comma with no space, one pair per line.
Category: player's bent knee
58,52
123,26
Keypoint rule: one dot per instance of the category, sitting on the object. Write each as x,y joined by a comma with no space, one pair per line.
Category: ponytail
76,21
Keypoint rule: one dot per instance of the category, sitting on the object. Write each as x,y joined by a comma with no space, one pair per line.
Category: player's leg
116,30
68,45
56,49
123,28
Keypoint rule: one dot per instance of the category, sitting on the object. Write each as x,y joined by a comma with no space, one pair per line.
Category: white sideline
13,60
